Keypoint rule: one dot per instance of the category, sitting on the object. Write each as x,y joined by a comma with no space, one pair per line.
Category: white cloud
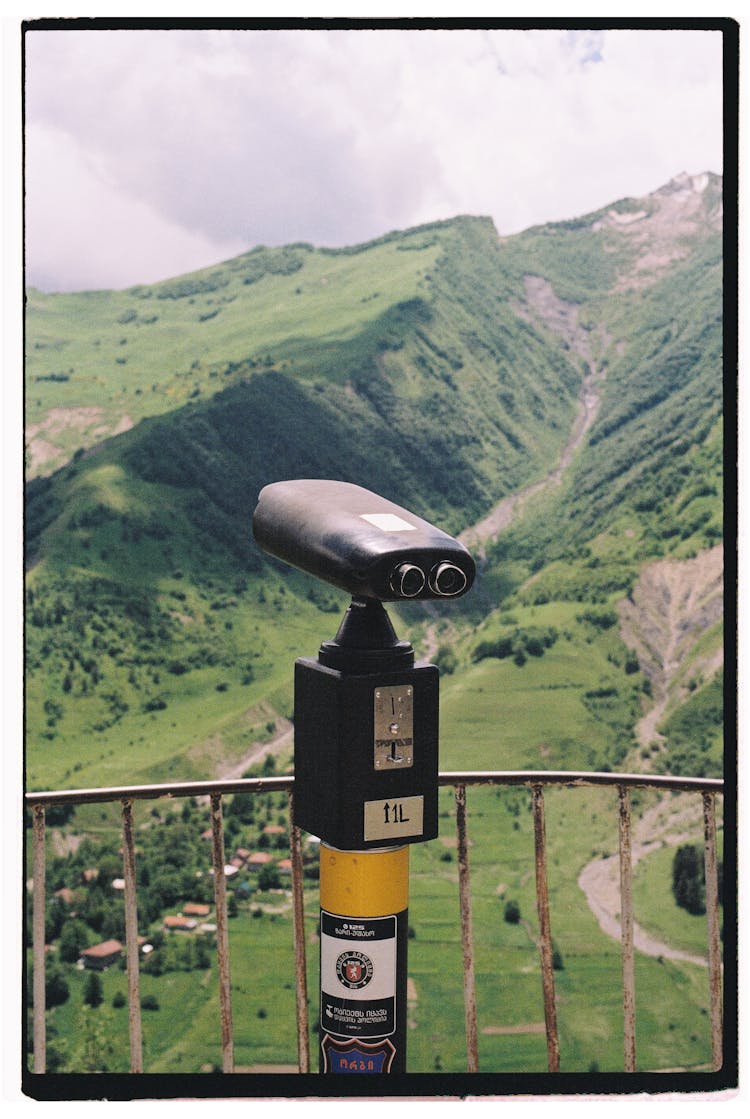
94,235
207,140
561,133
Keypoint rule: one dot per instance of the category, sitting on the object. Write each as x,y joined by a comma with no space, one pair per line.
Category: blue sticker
356,1056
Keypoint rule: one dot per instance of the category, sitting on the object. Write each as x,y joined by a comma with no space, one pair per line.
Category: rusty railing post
222,934
712,917
300,955
40,997
467,935
626,929
545,934
131,938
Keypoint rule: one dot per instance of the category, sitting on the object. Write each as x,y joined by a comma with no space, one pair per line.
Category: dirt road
257,751
673,820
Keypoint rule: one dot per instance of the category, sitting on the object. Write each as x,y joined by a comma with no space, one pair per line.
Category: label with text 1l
393,818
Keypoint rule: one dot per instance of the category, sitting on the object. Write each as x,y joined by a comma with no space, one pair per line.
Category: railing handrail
168,789
571,777
528,777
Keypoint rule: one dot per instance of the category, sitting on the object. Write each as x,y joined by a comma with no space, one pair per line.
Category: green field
148,350
183,1034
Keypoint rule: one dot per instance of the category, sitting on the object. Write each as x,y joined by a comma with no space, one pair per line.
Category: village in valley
85,920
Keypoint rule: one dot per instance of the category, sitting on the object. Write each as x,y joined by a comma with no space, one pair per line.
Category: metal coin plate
393,731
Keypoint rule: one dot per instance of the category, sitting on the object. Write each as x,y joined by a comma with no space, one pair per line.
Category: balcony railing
535,781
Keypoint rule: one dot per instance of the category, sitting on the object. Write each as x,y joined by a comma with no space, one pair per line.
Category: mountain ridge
133,307
443,367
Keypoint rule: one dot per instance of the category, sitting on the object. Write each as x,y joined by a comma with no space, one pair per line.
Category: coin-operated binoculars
366,747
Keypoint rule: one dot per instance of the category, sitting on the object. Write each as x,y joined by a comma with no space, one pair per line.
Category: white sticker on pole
358,975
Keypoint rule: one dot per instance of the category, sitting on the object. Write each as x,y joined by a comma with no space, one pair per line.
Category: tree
150,908
188,808
688,879
446,660
512,912
269,877
113,925
202,956
73,939
92,990
166,886
56,989
154,964
54,919
94,908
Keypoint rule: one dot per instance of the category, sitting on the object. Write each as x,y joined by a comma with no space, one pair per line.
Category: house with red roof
258,859
195,909
101,956
180,924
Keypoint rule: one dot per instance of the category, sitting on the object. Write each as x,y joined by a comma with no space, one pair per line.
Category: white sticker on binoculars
388,522
393,818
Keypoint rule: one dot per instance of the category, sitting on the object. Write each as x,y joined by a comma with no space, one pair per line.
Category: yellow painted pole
364,899
366,883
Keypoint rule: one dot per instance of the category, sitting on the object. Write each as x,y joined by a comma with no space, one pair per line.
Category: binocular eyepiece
445,580
360,542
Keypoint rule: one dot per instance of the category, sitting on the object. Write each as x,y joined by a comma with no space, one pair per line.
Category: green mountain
565,382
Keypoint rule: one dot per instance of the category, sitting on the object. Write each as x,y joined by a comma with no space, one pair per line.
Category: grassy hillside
416,367
442,367
99,360
140,552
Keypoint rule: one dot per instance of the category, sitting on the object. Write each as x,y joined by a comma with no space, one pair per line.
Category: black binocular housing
359,541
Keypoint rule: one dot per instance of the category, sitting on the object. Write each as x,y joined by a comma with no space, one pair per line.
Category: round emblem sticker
354,970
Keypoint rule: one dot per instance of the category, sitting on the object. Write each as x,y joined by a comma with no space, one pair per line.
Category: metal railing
535,781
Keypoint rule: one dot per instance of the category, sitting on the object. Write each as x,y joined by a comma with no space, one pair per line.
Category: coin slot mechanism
393,732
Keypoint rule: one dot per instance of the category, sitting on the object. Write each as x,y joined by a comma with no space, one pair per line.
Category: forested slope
417,365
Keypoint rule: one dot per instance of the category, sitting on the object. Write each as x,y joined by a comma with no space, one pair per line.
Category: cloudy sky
150,153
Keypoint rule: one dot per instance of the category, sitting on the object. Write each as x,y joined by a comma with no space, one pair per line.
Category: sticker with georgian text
357,975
